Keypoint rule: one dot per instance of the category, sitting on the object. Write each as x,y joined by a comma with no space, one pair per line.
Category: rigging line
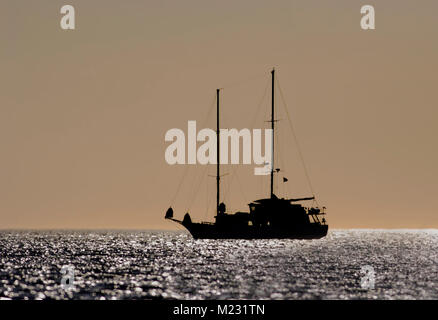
195,193
296,141
187,168
197,181
206,199
277,156
224,182
227,186
280,156
260,104
208,203
191,192
240,184
262,186
212,104
228,182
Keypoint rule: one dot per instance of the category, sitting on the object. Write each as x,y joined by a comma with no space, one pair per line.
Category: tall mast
217,152
272,126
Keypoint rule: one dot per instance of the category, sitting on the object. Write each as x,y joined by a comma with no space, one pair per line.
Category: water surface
171,265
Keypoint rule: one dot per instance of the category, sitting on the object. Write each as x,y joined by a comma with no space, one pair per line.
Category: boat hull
212,231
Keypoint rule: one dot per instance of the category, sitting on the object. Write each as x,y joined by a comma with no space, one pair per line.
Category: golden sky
83,113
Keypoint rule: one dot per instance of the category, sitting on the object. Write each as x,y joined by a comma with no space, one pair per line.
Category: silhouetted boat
270,218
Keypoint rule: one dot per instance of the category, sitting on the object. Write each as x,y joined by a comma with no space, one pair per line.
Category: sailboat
268,218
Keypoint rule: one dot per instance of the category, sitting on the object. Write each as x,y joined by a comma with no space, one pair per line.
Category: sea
347,264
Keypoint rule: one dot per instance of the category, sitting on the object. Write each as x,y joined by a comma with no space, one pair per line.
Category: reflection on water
156,265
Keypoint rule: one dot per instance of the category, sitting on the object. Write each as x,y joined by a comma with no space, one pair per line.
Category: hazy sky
83,113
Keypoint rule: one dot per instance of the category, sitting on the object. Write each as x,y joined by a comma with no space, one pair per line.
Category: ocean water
352,264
